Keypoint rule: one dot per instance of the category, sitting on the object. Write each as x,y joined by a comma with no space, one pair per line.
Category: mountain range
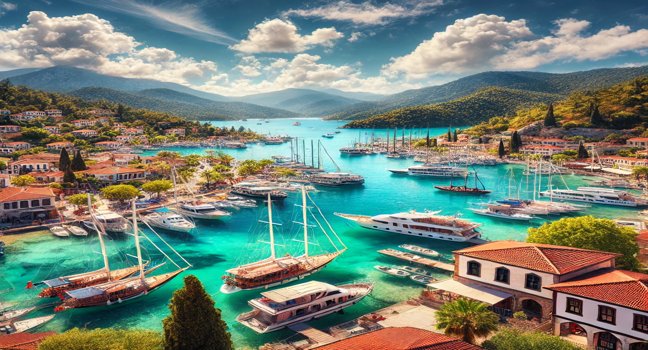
327,103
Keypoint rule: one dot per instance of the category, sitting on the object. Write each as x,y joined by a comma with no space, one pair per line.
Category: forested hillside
467,110
621,106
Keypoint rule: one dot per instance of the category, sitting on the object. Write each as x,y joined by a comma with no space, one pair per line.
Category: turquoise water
217,246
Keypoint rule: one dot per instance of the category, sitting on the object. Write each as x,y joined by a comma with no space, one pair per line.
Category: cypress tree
582,151
68,175
78,163
514,144
550,119
434,142
449,136
194,322
427,138
455,138
595,115
64,159
501,152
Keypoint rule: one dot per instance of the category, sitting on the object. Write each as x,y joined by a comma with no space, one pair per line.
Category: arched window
502,275
474,268
533,282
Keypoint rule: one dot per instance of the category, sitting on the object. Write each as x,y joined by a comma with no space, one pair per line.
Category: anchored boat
11,327
282,307
169,221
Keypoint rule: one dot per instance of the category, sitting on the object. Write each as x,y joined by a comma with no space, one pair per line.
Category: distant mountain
181,104
362,96
551,83
468,110
12,73
66,79
305,102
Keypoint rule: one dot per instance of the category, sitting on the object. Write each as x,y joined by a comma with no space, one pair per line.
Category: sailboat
337,178
465,189
193,209
57,287
274,271
116,292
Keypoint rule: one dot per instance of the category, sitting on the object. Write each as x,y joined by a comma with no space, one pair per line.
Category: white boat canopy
282,295
476,292
617,171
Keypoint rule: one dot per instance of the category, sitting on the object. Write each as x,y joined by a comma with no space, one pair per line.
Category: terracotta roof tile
112,170
23,341
539,257
630,288
27,193
400,338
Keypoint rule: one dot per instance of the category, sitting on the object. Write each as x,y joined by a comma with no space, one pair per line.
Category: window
7,206
640,323
34,203
46,201
474,268
24,204
574,306
607,314
502,275
14,205
533,282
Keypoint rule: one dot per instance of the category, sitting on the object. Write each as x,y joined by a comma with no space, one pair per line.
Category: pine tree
582,151
194,322
68,175
514,145
550,119
427,138
78,163
595,115
455,138
64,159
121,111
449,136
501,152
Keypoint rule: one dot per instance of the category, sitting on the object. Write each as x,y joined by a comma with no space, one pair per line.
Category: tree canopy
80,199
157,186
119,192
510,339
194,323
103,339
23,180
78,163
588,232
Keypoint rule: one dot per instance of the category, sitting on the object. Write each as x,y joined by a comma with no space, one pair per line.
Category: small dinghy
11,314
415,270
392,271
419,250
76,230
23,325
59,231
425,280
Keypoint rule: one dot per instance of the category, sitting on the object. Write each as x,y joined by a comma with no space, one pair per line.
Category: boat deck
417,259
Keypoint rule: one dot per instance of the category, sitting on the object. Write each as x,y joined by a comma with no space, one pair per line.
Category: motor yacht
110,221
203,211
596,195
169,221
336,179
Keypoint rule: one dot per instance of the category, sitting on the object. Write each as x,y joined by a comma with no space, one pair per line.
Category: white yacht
336,179
111,222
169,221
254,191
355,151
427,225
204,211
76,230
502,211
300,303
432,170
597,195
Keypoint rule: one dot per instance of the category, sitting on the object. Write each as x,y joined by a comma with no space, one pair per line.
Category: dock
417,259
313,334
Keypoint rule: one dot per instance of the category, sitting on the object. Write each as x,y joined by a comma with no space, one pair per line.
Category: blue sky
237,47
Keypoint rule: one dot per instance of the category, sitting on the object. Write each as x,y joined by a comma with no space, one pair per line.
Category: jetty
313,334
417,259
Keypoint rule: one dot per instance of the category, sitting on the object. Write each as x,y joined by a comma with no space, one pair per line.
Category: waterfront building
9,129
52,129
58,146
25,204
85,133
399,338
511,276
23,341
604,309
115,174
623,162
640,142
175,131
109,144
556,142
543,150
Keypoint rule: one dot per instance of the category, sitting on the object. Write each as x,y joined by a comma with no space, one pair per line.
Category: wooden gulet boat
57,287
117,292
275,270
477,190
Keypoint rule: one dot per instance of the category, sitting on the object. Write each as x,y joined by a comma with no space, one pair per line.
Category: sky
240,47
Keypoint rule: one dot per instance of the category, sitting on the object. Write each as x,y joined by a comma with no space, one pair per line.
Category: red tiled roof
23,341
112,170
400,338
539,257
638,139
619,287
642,236
28,193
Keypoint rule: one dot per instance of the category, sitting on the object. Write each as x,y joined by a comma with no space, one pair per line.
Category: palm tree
640,172
467,319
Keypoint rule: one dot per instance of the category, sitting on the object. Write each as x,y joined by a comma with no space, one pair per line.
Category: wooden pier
417,259
311,333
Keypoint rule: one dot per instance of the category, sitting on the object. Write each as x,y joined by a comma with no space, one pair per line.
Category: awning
473,291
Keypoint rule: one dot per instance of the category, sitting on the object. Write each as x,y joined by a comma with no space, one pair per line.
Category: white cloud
355,36
491,42
249,66
466,45
281,36
7,6
88,41
366,13
183,19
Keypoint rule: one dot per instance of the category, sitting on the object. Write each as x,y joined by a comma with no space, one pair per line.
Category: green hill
622,106
467,110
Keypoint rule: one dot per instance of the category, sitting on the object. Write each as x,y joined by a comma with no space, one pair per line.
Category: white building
604,310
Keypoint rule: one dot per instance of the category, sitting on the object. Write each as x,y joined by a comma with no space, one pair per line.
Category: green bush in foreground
509,339
103,339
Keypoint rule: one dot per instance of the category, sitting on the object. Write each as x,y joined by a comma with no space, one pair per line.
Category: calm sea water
217,246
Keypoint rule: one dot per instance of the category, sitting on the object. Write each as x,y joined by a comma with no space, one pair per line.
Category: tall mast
304,151
319,154
296,149
101,241
305,218
312,154
175,185
271,227
387,140
137,243
403,138
410,141
535,178
394,141
292,151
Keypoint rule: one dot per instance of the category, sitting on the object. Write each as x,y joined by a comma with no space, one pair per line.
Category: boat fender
30,285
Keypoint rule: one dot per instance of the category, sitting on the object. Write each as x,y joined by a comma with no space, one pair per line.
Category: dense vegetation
471,109
588,232
466,319
510,339
103,339
622,106
562,84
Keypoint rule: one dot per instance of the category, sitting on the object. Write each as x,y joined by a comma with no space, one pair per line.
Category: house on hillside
9,129
52,129
23,205
180,132
109,145
84,133
56,147
639,142
115,174
11,147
